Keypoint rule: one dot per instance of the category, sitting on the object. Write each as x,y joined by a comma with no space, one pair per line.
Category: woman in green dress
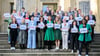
57,32
49,35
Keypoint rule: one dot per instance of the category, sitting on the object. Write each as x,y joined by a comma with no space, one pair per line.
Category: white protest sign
13,25
7,15
74,30
91,22
83,30
23,27
50,25
57,26
41,25
79,18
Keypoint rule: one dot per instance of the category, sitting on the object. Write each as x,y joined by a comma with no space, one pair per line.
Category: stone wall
4,7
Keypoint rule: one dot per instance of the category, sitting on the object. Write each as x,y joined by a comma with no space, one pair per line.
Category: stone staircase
5,49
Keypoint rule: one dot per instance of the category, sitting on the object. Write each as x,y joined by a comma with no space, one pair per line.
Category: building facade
30,5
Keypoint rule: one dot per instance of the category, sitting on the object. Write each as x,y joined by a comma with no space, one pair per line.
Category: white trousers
65,40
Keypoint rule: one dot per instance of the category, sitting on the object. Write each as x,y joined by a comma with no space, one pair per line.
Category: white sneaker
86,55
66,48
12,48
72,51
77,51
56,48
79,55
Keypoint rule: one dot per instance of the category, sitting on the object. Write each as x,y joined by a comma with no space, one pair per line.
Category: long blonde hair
57,20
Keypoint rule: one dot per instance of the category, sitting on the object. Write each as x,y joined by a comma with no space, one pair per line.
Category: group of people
33,30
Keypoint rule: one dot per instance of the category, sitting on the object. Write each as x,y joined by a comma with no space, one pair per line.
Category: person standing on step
22,38
92,17
49,34
31,34
8,20
13,26
57,32
84,36
41,32
65,29
74,35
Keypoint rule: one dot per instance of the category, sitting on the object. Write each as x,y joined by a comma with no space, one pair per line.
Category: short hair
23,8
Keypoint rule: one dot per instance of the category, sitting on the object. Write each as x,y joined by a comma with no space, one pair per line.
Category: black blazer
48,13
93,17
71,26
38,29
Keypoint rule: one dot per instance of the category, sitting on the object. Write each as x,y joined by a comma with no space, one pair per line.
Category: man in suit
48,12
23,12
92,17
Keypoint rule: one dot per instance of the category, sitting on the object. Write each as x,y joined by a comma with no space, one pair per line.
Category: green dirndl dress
49,35
57,34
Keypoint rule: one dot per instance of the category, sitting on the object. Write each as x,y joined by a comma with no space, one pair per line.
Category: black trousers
81,46
49,44
92,35
13,34
74,41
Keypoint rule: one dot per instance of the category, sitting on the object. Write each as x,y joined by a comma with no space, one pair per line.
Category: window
85,7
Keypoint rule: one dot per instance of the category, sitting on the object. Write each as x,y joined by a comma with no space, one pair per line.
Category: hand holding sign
57,26
50,25
83,30
74,30
79,18
91,22
23,27
13,26
65,28
41,25
6,15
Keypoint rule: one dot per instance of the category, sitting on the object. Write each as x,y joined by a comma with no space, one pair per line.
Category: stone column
95,5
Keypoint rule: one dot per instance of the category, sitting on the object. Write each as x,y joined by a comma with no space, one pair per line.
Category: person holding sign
65,29
71,19
57,32
49,34
31,34
93,18
8,20
22,38
41,32
74,35
13,26
85,36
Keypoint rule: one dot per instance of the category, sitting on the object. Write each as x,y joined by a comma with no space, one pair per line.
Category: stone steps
94,46
47,54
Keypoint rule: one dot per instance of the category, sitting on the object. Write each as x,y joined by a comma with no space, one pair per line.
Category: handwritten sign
50,25
41,25
66,17
32,26
79,18
57,26
83,30
23,27
70,21
65,28
13,26
45,17
74,30
91,22
7,15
